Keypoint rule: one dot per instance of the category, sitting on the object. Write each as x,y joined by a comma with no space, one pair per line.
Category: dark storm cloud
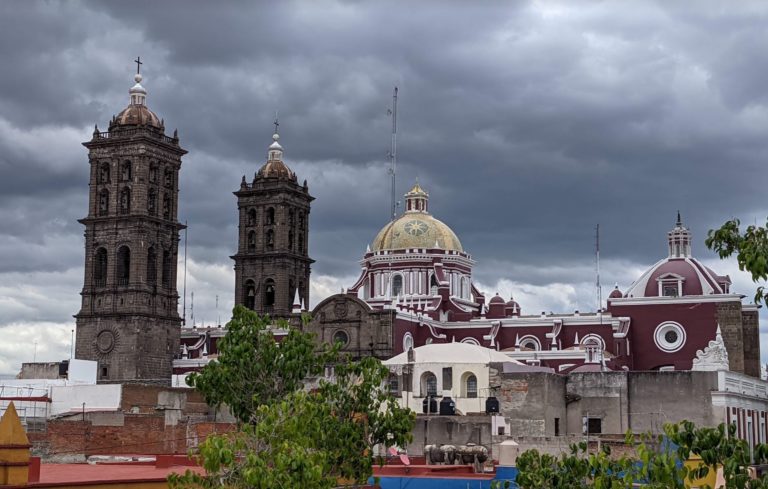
528,123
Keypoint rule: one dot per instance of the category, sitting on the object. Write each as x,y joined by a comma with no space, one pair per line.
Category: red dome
679,276
616,293
497,299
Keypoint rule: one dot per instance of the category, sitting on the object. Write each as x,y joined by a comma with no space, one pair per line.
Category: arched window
301,220
166,206
397,285
152,202
104,202
290,217
270,240
251,240
433,284
470,386
530,343
290,240
291,291
250,294
152,266
125,201
167,268
301,243
269,293
104,173
252,217
100,268
123,265
125,171
168,178
428,385
270,219
153,173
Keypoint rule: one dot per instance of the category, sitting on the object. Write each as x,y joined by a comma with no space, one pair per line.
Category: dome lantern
416,199
679,239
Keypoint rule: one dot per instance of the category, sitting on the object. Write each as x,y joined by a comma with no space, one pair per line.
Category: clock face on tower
416,228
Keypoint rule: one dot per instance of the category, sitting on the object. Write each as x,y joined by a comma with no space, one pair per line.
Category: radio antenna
597,269
393,155
184,301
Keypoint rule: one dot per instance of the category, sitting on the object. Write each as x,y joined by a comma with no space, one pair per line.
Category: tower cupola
679,239
416,199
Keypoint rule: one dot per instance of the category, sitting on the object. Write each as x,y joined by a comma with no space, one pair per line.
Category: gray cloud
528,124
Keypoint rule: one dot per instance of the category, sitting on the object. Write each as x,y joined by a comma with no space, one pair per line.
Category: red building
416,282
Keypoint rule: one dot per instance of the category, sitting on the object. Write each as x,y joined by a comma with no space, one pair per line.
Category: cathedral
415,287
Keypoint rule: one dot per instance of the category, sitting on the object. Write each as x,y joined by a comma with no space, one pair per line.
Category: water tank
447,406
491,405
429,405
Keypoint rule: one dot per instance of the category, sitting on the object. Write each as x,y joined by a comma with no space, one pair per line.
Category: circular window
341,336
669,337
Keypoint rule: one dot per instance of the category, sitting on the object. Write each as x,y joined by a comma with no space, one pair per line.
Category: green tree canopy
750,247
291,436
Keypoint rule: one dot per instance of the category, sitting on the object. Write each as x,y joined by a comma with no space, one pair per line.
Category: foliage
751,248
657,464
253,369
291,436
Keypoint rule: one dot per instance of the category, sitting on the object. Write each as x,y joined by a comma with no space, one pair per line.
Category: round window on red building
669,336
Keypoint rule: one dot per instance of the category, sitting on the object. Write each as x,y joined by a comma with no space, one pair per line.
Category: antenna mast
184,301
597,266
393,154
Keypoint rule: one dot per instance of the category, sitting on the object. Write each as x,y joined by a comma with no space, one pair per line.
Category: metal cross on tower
276,123
138,64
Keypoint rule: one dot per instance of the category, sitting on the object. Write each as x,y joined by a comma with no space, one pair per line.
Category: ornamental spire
137,92
275,150
679,240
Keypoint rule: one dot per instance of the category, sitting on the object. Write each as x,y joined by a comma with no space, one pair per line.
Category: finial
175,134
679,219
138,66
277,124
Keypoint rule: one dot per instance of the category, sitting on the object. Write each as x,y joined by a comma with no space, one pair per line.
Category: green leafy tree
655,465
750,247
291,436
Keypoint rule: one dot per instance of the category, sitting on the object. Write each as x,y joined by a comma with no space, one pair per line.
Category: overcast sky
527,122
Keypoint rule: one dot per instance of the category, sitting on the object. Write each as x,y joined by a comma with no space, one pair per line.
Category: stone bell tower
272,263
129,321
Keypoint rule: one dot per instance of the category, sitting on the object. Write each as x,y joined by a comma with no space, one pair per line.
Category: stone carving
714,357
340,309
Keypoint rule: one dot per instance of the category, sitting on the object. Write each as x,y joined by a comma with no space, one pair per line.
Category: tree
657,463
750,247
291,436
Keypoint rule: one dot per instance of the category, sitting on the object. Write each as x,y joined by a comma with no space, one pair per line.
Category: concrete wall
531,401
599,395
450,430
668,397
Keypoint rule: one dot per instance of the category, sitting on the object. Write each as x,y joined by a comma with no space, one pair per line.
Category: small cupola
138,92
275,150
416,199
679,240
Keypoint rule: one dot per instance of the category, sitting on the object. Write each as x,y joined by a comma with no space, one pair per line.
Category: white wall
102,397
464,404
82,371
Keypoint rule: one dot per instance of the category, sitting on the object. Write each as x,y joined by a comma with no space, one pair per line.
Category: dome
416,228
274,167
616,293
137,115
496,299
679,274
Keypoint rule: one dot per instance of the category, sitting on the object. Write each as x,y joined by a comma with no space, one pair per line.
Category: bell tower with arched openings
272,263
129,321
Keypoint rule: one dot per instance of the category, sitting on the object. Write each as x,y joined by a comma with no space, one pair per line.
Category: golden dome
416,228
